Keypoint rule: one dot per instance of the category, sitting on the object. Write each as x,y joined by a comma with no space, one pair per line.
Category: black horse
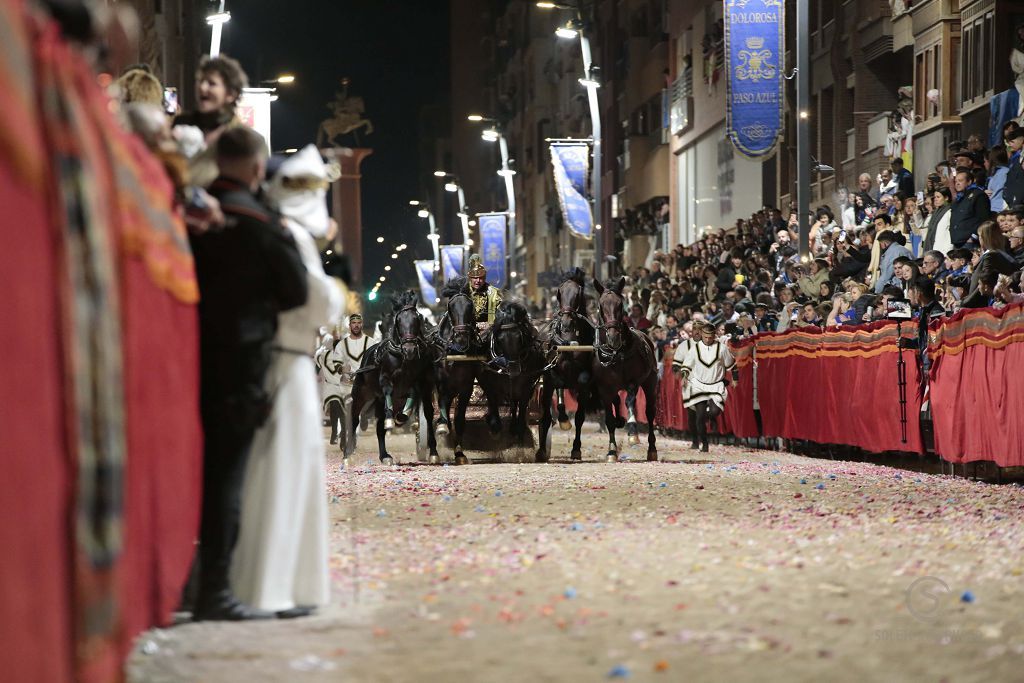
624,358
400,369
517,362
571,370
456,336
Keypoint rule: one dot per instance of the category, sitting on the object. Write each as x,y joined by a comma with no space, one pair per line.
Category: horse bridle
605,354
469,330
395,343
575,316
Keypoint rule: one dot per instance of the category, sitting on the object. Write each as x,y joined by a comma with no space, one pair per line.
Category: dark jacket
905,180
927,315
998,262
1013,190
853,265
969,211
248,272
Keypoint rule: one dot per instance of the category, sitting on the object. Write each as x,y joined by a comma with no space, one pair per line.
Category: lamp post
493,134
569,31
425,212
453,185
216,22
803,130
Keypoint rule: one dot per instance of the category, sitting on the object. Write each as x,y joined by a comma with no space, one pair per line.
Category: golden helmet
476,266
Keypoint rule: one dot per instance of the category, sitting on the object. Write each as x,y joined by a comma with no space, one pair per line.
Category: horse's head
512,336
407,329
611,307
461,316
572,305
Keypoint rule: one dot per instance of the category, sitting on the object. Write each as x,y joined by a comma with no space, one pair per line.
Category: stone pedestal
347,209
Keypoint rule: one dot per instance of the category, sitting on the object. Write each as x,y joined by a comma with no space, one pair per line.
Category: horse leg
428,415
403,415
460,424
382,449
389,406
493,418
611,422
581,417
563,417
651,410
444,405
545,423
631,429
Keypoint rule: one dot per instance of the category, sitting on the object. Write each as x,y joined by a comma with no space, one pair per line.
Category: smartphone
920,197
171,100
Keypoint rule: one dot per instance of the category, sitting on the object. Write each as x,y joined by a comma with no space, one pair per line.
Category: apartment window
977,58
927,77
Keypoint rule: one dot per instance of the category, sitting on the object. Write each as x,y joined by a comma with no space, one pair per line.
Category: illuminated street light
440,174
567,32
387,268
451,187
216,22
394,256
380,240
423,213
475,118
414,202
490,135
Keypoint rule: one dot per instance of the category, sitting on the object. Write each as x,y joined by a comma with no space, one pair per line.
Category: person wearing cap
971,208
1013,188
702,374
280,561
485,297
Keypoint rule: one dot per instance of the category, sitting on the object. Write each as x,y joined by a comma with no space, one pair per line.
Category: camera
897,310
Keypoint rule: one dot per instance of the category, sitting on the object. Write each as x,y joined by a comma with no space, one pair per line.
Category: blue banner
493,241
451,260
425,274
754,49
571,164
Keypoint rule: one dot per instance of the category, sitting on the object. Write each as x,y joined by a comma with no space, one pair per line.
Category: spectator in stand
882,224
922,296
933,264
904,178
1015,240
997,164
809,316
637,320
842,312
810,284
1013,187
764,319
970,208
890,249
937,235
994,261
913,218
782,250
851,257
887,184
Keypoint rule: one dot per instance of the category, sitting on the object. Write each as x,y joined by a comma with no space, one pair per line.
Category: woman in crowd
937,235
993,262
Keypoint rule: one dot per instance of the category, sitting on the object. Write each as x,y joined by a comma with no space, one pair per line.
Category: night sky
396,53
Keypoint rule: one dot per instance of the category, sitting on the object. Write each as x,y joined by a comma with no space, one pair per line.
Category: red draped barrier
739,408
977,397
837,386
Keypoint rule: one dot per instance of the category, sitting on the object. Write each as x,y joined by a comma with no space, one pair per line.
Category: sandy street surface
730,566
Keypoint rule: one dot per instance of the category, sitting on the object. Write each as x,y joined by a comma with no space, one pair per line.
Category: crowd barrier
99,403
841,386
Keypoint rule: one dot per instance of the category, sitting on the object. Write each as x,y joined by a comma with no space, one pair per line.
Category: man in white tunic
339,362
703,377
280,562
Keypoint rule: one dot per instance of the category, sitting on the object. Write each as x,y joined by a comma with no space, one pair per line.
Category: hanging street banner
451,260
425,274
493,241
754,48
571,163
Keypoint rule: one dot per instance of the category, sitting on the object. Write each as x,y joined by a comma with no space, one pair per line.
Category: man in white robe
339,362
703,369
280,563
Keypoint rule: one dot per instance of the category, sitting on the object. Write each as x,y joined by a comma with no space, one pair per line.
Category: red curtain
977,398
838,387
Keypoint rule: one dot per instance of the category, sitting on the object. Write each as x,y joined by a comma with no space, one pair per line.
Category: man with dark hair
248,272
904,178
922,295
890,249
970,209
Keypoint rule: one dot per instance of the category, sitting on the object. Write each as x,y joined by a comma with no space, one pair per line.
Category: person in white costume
338,363
280,561
703,377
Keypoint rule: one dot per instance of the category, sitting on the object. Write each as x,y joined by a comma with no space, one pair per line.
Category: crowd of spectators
961,238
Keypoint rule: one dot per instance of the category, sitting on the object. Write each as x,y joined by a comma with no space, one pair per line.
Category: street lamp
216,22
493,134
572,29
454,186
425,212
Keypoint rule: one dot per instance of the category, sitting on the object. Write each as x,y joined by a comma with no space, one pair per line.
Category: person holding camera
994,261
890,249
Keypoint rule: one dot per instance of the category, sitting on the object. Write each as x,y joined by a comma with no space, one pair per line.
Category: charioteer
486,297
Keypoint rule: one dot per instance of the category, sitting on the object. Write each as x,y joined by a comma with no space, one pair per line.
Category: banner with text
571,163
754,48
493,240
451,260
425,274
